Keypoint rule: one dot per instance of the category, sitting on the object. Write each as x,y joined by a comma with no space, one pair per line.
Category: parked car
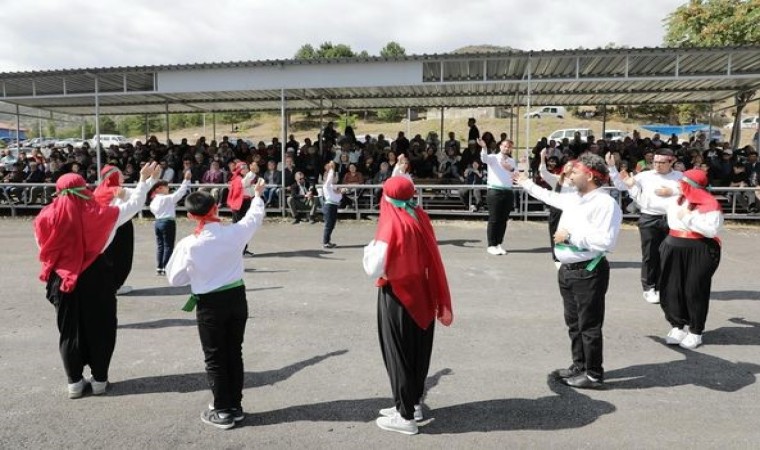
547,111
570,134
750,122
615,135
107,140
74,142
716,135
39,142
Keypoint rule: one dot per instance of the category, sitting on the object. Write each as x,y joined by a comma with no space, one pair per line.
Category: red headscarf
109,186
693,189
203,220
413,264
72,231
235,195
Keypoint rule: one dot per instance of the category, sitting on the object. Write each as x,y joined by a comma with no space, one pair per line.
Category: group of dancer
76,230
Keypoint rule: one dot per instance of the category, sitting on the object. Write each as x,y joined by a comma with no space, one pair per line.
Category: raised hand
609,159
188,175
147,171
258,190
520,177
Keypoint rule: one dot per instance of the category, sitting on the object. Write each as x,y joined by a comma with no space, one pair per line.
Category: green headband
408,205
74,191
691,183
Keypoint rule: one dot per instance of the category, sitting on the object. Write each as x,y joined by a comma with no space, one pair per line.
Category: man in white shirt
499,197
653,191
211,262
587,230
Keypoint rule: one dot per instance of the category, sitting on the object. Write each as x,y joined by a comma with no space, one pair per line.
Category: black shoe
313,220
567,373
237,412
296,221
219,418
329,245
582,381
248,253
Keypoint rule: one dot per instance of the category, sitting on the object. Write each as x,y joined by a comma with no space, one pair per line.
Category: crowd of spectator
361,160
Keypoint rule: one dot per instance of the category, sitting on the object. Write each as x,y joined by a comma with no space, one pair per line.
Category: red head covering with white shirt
72,231
235,195
694,189
413,264
109,186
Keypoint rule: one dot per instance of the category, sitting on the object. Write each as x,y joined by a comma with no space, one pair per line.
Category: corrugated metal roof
570,77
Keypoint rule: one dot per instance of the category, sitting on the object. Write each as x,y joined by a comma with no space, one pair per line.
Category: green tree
708,23
392,49
306,52
325,50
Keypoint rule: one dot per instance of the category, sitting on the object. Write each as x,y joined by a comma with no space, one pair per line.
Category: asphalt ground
314,376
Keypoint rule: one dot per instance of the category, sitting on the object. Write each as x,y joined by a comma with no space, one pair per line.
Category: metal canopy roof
577,77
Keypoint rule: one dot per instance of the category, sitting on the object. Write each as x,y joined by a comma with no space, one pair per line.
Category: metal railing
436,199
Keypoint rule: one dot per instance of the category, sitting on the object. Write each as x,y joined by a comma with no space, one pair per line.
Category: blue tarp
675,129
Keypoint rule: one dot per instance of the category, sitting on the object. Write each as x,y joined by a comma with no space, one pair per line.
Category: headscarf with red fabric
694,190
109,185
235,195
72,231
413,264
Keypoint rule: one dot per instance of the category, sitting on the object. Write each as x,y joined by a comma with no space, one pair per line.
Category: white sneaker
691,341
397,424
98,387
392,411
557,264
501,250
675,336
493,251
124,290
652,296
473,208
77,389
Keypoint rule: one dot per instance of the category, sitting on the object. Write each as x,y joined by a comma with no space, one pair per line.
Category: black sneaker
219,418
329,245
296,221
237,412
583,381
567,373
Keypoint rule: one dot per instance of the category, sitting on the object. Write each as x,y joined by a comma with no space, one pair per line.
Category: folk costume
690,255
413,292
73,233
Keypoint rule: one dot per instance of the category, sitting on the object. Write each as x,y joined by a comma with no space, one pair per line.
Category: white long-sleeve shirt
374,259
214,258
552,180
248,184
498,176
643,191
706,224
331,194
163,206
129,207
593,221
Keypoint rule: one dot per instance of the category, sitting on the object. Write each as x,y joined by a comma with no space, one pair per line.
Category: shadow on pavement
746,335
459,242
735,295
159,291
319,254
625,264
193,382
698,369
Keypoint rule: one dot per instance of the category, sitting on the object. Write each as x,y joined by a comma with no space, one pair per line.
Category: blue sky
63,34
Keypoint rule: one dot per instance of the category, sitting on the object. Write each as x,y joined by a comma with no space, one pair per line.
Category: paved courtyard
315,378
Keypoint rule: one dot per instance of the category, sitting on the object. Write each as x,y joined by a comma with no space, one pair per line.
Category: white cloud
58,34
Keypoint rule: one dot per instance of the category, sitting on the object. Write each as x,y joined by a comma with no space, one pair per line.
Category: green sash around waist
193,300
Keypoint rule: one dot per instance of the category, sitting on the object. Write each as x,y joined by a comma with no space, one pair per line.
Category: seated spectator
646,163
214,175
167,172
353,176
474,176
448,169
273,177
428,166
303,197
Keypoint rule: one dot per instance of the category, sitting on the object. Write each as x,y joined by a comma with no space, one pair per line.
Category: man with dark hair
499,197
473,134
652,190
210,261
587,230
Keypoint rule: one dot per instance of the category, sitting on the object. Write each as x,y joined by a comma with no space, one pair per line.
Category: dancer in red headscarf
689,256
121,250
240,194
73,233
405,260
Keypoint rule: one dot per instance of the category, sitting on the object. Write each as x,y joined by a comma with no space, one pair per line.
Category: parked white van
570,134
107,140
548,111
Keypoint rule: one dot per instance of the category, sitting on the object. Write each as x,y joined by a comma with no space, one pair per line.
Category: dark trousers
330,213
500,203
86,320
554,216
166,232
238,215
406,351
583,295
120,252
652,230
688,266
221,320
